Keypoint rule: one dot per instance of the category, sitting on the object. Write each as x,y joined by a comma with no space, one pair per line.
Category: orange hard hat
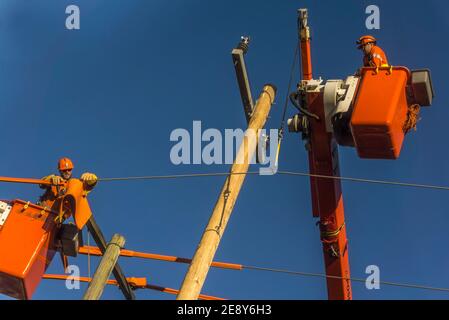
65,164
364,40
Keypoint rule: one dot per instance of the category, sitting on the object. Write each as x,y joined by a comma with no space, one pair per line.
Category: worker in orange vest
374,56
65,168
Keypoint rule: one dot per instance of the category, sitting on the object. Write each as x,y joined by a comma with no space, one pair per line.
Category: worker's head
65,167
366,43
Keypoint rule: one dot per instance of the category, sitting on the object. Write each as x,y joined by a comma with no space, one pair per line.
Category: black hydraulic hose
293,100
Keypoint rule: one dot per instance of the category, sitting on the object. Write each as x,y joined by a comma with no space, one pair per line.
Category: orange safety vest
376,58
52,193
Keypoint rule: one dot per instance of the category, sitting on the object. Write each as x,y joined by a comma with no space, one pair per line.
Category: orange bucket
27,247
380,111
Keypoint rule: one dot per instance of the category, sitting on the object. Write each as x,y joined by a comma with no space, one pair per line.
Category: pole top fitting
244,44
302,17
303,25
245,39
271,90
303,13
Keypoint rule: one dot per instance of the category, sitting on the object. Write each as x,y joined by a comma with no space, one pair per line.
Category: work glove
54,179
89,178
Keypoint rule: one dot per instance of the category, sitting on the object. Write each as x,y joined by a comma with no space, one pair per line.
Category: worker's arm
54,179
378,57
90,180
376,61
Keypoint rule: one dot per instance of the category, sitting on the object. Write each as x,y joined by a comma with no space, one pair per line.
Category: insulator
299,123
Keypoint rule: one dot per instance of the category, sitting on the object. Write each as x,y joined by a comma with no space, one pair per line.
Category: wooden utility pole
105,268
197,272
119,275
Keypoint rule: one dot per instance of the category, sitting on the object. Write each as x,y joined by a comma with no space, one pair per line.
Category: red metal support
327,198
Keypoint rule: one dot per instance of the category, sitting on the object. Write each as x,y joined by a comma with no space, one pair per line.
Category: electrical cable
240,267
321,275
280,172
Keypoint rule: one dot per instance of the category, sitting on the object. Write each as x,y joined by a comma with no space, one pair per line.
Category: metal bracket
338,97
313,85
347,93
5,210
330,99
245,90
242,76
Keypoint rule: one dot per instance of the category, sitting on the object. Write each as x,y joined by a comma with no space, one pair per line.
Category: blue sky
109,95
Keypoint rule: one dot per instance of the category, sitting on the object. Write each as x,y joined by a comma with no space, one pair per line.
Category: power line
396,183
240,267
321,275
303,174
289,173
175,176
